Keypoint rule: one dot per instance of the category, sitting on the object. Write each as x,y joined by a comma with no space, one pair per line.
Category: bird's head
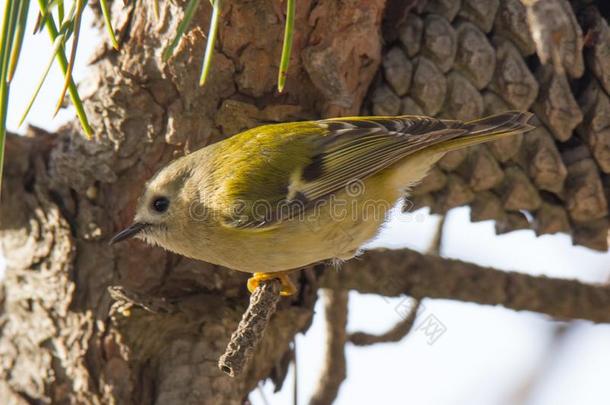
163,208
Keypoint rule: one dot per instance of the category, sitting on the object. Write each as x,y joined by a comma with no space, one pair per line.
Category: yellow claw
287,286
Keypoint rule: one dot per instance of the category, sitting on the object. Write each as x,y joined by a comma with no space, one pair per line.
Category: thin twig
334,372
396,334
126,298
68,73
295,378
437,241
404,326
251,328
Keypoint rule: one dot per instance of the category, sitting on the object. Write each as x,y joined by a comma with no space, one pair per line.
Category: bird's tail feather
487,129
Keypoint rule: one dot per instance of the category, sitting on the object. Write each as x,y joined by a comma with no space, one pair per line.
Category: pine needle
156,9
188,16
60,11
108,21
63,64
22,17
209,47
287,47
7,39
42,16
68,73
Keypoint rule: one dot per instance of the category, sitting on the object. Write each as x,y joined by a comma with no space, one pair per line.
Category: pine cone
463,59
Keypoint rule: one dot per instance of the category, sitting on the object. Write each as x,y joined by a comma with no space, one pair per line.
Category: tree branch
398,272
125,299
251,328
334,371
396,334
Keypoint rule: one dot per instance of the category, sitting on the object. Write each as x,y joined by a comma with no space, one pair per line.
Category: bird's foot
287,286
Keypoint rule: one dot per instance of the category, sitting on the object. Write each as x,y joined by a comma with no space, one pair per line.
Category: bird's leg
288,287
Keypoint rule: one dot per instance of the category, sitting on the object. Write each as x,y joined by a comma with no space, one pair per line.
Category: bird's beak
128,232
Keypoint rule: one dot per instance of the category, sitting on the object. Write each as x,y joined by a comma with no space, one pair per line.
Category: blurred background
486,355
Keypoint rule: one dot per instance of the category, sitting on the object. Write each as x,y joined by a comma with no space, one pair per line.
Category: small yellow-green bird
279,197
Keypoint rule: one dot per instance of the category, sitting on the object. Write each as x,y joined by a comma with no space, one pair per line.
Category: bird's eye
160,204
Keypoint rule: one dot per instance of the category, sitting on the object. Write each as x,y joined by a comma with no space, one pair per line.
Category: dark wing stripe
353,149
374,157
315,169
338,182
367,159
356,148
382,157
343,157
361,167
355,166
394,146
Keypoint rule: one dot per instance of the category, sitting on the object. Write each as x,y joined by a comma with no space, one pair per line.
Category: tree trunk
62,339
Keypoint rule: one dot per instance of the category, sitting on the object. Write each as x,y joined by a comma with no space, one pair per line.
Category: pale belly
336,230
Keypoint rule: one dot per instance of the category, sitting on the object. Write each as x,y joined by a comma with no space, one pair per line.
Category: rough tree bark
62,340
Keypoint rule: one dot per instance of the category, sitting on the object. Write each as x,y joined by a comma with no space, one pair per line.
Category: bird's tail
488,129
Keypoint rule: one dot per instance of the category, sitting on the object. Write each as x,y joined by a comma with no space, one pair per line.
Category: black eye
160,204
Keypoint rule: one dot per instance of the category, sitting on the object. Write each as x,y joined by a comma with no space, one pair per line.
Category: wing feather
345,150
319,158
358,148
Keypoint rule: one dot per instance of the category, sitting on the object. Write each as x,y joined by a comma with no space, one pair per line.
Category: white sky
487,354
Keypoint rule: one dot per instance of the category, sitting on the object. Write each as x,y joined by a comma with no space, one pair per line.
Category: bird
279,197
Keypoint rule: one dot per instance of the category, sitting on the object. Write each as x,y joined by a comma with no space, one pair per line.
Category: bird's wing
309,165
360,147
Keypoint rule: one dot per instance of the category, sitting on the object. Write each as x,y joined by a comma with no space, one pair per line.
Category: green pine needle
68,74
45,10
188,16
156,9
22,17
60,11
67,24
107,20
7,39
287,47
209,47
63,64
